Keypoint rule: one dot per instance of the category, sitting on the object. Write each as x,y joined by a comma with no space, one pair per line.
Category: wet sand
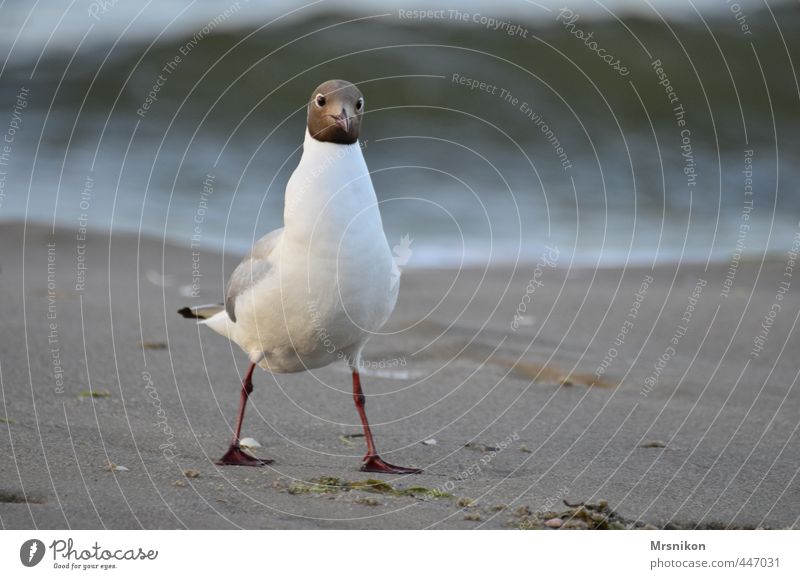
668,392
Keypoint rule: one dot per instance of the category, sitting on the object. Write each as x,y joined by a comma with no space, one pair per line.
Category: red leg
235,454
373,462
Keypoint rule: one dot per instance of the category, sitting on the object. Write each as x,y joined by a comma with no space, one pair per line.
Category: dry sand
706,437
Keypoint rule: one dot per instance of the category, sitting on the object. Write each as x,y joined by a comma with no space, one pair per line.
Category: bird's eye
359,104
320,100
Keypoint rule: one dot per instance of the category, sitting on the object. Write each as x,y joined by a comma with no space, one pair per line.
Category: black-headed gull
313,292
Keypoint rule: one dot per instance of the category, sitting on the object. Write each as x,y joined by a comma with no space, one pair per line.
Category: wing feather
251,270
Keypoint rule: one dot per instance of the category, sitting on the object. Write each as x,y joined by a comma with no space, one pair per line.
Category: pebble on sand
654,444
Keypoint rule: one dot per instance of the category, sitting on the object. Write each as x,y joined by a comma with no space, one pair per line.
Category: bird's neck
329,188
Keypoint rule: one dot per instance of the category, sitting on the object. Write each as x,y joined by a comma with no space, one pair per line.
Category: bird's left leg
373,462
235,455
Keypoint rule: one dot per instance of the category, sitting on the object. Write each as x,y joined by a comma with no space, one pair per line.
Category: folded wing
251,270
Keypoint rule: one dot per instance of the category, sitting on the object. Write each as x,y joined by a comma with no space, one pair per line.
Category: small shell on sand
554,523
249,443
115,467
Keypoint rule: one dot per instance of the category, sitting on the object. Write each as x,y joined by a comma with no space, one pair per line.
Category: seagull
313,292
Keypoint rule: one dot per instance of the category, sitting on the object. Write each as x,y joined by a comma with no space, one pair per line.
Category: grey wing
251,270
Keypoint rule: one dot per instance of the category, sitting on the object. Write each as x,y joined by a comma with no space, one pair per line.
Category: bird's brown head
335,111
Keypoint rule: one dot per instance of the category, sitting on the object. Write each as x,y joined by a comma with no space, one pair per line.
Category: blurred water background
558,147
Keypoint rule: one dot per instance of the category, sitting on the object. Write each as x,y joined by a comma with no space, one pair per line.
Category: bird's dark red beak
342,120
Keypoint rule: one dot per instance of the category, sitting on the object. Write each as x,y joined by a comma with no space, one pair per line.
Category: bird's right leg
235,455
372,461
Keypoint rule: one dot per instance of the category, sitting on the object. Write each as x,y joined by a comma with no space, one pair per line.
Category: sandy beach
661,397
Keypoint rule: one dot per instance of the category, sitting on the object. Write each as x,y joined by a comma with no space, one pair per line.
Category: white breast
332,284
